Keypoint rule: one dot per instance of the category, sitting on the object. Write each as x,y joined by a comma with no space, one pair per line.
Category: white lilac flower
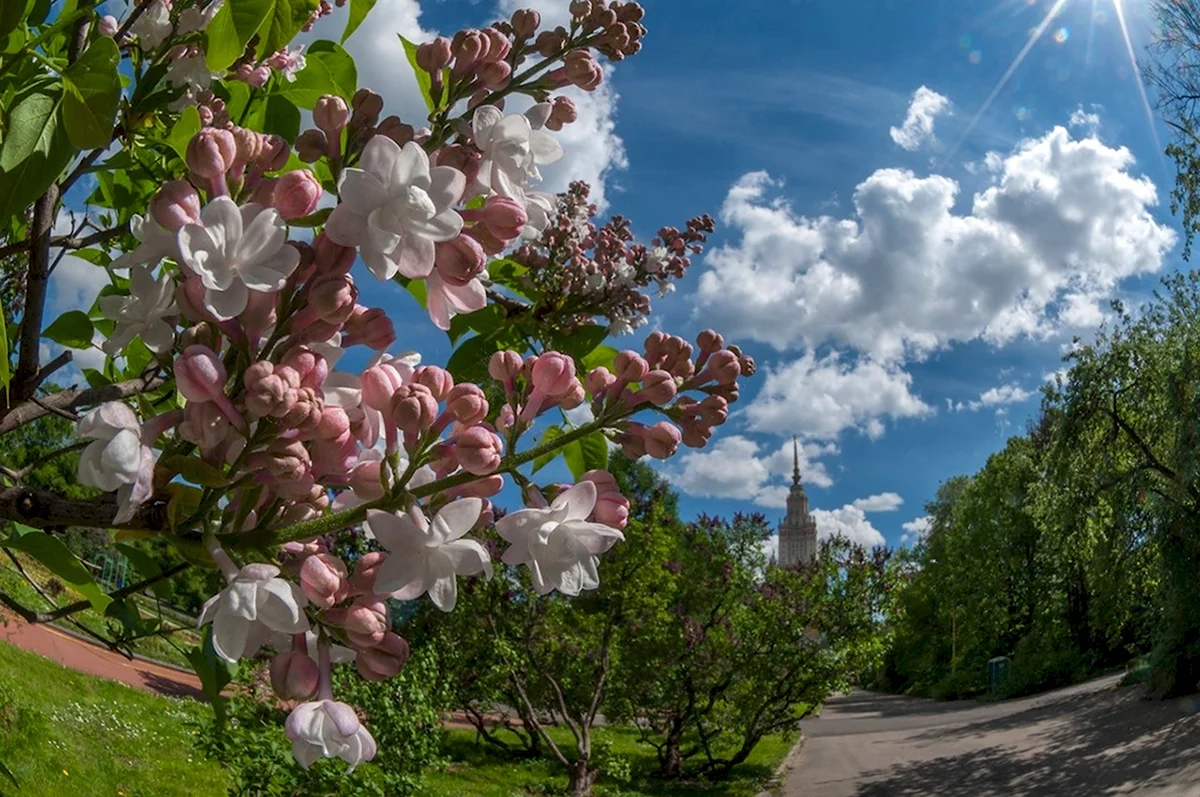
155,243
444,300
291,62
193,19
395,207
559,544
329,729
153,26
513,147
539,208
656,260
191,71
426,557
116,459
141,313
255,603
235,250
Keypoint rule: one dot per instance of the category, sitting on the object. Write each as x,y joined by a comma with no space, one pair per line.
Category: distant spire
795,461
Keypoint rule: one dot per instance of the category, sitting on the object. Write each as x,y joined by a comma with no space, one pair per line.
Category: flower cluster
603,269
266,440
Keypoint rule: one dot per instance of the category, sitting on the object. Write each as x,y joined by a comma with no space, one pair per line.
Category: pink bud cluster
659,378
604,263
534,384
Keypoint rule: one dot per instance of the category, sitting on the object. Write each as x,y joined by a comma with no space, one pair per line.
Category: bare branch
67,241
124,592
43,509
74,398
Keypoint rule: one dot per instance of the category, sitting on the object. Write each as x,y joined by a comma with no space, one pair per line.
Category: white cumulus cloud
820,398
739,468
915,530
883,502
1011,393
908,273
916,130
849,522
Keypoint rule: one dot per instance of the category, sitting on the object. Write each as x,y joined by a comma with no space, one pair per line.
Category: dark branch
124,592
67,241
24,380
75,398
43,509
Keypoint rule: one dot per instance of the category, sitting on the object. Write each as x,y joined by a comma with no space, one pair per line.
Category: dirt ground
1091,739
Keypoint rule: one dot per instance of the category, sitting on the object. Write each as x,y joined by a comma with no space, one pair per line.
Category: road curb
774,786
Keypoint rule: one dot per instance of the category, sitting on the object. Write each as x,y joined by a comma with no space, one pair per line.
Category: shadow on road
1080,744
875,704
169,686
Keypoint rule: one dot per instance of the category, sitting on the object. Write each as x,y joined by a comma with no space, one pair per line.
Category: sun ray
1008,73
1087,53
1137,79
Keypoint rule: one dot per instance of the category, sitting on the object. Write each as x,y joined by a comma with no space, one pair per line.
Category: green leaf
238,98
214,672
35,149
424,81
549,435
72,329
59,560
186,126
594,449
328,69
232,28
97,257
469,361
283,23
580,343
124,612
146,567
281,117
93,91
38,11
358,12
194,470
482,321
573,455
314,219
601,356
13,12
137,357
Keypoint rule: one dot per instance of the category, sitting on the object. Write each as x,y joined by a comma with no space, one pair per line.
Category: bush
1039,665
404,715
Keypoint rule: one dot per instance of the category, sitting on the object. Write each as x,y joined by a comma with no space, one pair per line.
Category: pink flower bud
365,480
412,408
612,508
478,450
366,570
333,298
379,384
662,440
598,380
562,112
294,675
722,367
434,56
367,106
550,43
204,425
365,622
305,413
486,240
200,374
297,193
553,373
459,261
573,397
466,403
396,130
264,192
658,388
504,218
469,47
267,393
311,146
525,23
384,660
211,153
334,424
372,328
321,578
582,70
259,314
438,380
630,366
310,366
504,366
175,205
330,115
283,459
709,341
498,45
495,74
108,26
459,157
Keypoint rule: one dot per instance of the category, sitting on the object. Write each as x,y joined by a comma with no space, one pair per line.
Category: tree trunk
672,758
582,779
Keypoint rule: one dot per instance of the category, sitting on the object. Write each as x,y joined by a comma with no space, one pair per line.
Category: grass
479,771
64,733
155,647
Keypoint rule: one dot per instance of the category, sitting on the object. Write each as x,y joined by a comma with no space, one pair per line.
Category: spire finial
795,461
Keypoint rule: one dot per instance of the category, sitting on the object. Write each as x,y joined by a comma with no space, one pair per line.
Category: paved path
85,657
1091,740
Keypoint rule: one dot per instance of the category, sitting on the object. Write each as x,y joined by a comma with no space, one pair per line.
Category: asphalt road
1090,740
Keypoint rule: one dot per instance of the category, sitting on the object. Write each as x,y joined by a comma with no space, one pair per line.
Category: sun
1060,35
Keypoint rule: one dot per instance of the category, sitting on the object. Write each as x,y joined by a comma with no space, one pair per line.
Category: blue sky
905,289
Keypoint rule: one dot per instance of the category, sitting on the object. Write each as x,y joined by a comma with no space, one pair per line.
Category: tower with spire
798,531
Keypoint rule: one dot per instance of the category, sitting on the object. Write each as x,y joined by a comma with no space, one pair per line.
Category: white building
798,531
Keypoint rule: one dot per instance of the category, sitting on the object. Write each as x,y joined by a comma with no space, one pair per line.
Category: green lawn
66,734
478,771
157,647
